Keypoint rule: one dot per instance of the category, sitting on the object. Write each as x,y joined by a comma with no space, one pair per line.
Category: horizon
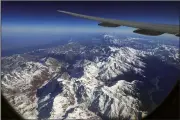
26,22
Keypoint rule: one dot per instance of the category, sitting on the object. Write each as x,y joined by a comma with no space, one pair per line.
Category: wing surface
142,28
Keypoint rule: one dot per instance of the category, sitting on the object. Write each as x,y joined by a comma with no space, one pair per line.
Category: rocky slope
75,81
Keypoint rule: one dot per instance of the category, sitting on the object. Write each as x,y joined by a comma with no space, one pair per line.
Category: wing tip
60,10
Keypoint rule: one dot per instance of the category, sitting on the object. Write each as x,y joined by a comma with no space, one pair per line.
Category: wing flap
148,32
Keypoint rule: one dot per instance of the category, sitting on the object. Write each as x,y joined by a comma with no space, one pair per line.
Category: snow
60,104
45,98
80,113
22,78
121,101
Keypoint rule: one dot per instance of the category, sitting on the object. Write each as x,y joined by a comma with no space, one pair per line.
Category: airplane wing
142,28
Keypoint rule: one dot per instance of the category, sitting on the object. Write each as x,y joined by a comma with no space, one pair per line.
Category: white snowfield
86,97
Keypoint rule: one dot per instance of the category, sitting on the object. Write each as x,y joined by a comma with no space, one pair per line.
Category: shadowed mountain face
46,95
103,77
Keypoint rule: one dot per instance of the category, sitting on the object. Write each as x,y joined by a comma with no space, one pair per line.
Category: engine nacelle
148,32
106,24
178,35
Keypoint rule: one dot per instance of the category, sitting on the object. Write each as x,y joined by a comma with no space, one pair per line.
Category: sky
29,22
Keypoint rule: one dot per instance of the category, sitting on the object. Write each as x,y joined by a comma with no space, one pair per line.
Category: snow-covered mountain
77,81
